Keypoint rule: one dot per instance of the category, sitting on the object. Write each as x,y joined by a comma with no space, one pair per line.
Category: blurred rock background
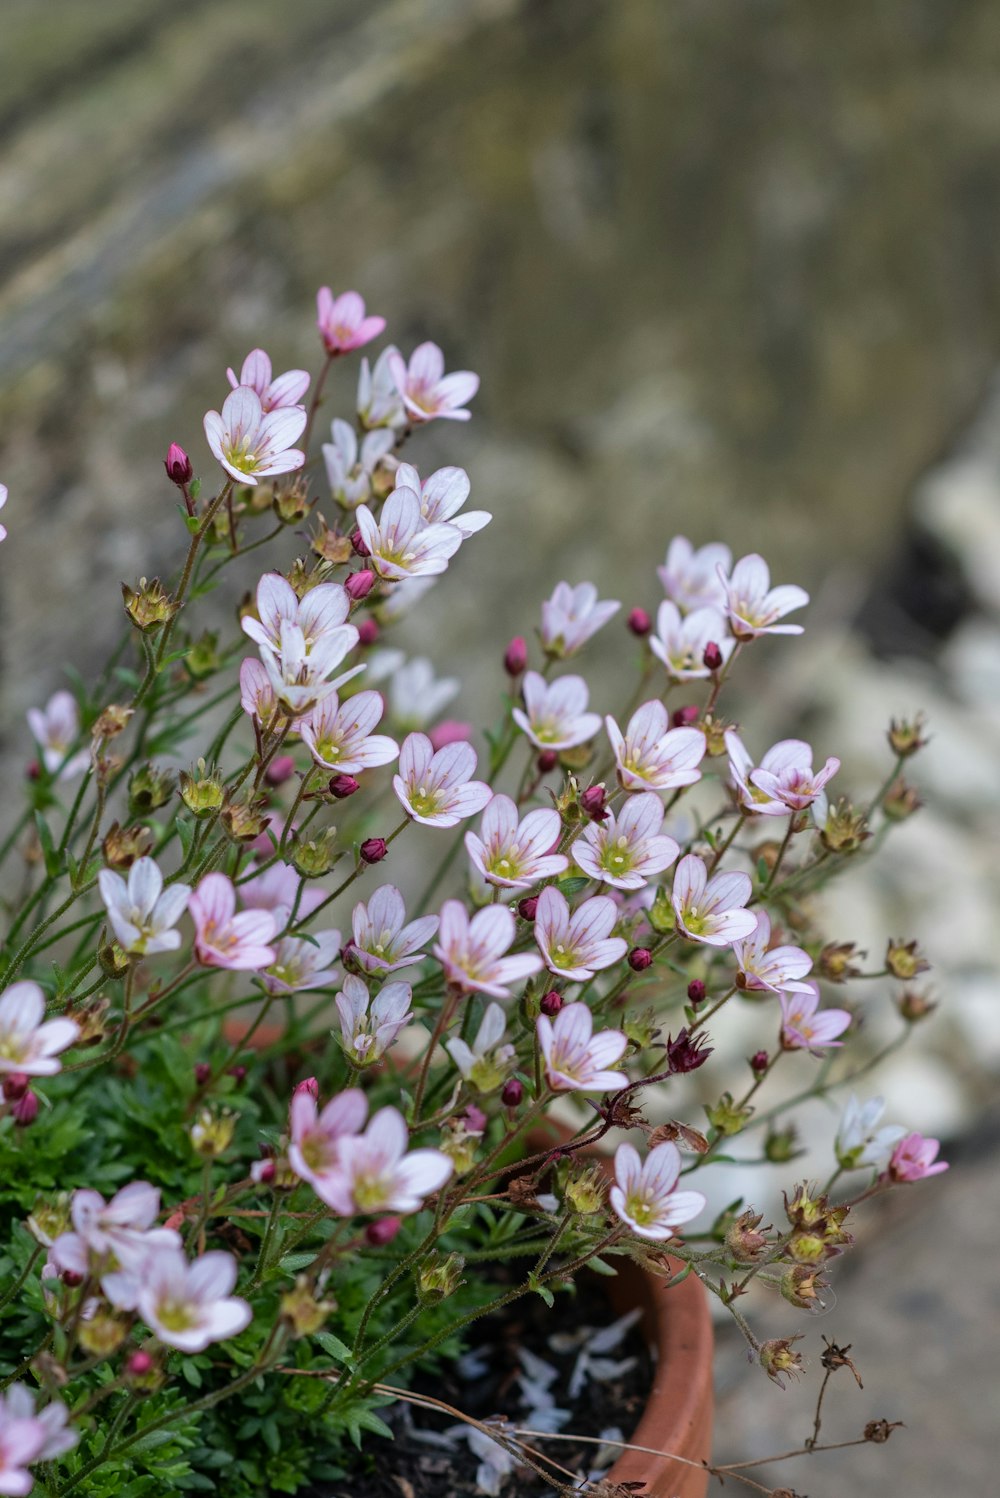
726,267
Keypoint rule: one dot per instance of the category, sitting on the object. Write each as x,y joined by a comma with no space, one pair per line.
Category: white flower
859,1143
350,475
368,1026
251,444
142,913
442,497
416,696
571,616
187,1306
691,579
643,1195
55,728
26,1044
484,1064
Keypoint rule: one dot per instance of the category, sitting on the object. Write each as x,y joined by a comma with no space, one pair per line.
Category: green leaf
543,1291
571,887
332,1345
53,860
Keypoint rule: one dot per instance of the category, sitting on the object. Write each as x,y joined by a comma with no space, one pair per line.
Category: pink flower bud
712,658
449,732
71,1279
527,907
513,1092
759,1062
382,1231
139,1364
280,769
178,466
639,959
368,632
515,657
696,991
15,1085
546,761
359,544
202,1072
343,786
373,849
25,1110
551,1003
684,717
360,584
639,622
475,1119
265,1172
593,803
310,1085
32,770
238,1074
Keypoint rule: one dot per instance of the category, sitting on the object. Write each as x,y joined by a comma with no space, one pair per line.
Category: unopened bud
639,622
528,907
593,802
712,656
343,786
178,465
451,731
696,991
202,1073
759,1063
639,959
546,761
72,1279
280,769
551,1003
685,717
359,545
309,1085
360,584
368,632
15,1085
373,850
238,1074
139,1364
25,1110
515,658
382,1231
513,1093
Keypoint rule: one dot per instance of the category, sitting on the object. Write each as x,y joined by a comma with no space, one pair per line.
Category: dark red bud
758,1062
202,1072
32,770
238,1074
546,761
359,544
71,1279
593,803
15,1085
697,991
25,1110
139,1364
639,959
684,717
527,907
712,658
266,1173
512,1094
178,466
280,769
382,1231
373,849
515,657
368,632
360,584
551,1003
639,622
343,786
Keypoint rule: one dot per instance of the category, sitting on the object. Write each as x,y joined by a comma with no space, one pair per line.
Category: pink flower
401,545
302,963
55,729
382,942
251,445
777,971
342,323
742,768
379,403
188,1306
26,1438
576,1059
914,1158
859,1142
804,1026
348,474
257,696
26,1044
449,731
225,939
276,889
651,755
368,1026
753,605
320,614
299,674
3,501
690,578
471,951
416,696
316,1137
112,1240
516,854
579,943
571,616
787,776
287,390
554,715
436,789
142,913
426,390
375,1173
626,850
710,910
680,641
442,497
339,735
643,1195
